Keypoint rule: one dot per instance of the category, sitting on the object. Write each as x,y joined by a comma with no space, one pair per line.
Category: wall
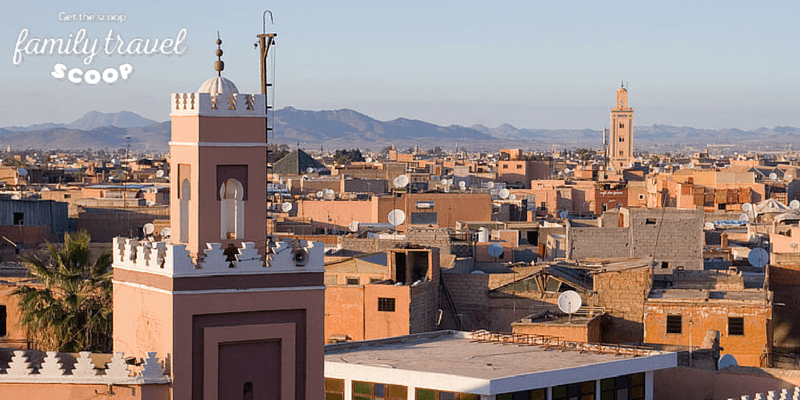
674,236
470,295
103,224
339,213
382,324
344,311
623,293
699,318
680,383
584,242
581,332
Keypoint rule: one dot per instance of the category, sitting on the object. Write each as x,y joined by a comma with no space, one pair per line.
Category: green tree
70,308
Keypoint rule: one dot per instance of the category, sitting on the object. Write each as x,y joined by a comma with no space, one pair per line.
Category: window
621,139
582,391
424,218
620,152
19,218
352,281
247,391
622,387
674,324
621,125
231,193
519,166
386,304
664,265
505,166
650,221
334,389
430,394
3,331
378,391
67,196
641,196
735,326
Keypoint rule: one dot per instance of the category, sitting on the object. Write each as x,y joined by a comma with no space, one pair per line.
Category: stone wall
584,242
470,295
670,236
623,293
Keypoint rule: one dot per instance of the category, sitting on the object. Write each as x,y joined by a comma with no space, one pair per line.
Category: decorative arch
231,194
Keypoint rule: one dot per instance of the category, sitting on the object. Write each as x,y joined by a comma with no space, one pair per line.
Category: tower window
386,304
621,139
621,125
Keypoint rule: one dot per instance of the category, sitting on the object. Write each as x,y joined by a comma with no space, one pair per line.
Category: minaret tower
620,145
232,317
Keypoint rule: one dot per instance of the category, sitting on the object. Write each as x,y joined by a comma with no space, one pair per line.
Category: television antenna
758,257
495,250
569,302
397,217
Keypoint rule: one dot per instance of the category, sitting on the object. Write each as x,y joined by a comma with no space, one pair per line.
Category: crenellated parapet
53,367
174,260
219,104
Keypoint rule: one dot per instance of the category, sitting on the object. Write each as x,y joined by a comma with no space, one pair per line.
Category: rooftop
467,362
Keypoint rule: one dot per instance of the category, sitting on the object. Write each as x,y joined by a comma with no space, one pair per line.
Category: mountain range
340,129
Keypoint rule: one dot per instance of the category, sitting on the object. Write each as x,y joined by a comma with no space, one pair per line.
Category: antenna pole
265,40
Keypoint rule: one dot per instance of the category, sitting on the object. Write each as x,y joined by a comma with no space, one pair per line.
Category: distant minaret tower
620,145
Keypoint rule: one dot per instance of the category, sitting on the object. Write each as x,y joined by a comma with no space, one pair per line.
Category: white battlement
30,367
174,260
212,104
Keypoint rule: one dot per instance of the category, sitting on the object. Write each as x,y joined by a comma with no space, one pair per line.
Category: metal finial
219,65
622,84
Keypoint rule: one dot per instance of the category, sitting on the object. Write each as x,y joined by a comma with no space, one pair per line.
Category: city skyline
712,65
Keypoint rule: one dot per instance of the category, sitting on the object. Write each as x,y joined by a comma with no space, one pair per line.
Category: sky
531,64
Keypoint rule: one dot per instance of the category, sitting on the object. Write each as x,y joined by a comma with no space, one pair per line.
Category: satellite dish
47,189
160,173
744,218
490,185
401,181
747,207
435,178
462,184
22,171
504,193
773,176
149,229
166,233
569,302
310,170
353,226
690,165
758,257
328,194
320,194
727,360
709,226
397,217
286,207
794,204
563,214
495,250
15,197
368,159
150,203
512,197
788,177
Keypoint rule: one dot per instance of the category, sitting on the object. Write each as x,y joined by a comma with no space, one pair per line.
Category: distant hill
347,129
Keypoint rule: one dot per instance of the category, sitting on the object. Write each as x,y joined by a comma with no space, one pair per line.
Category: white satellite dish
758,257
690,165
353,226
569,302
504,193
286,207
320,194
462,184
166,233
328,194
47,189
22,171
401,181
563,214
397,217
747,207
773,176
15,197
744,217
709,226
150,203
368,159
160,173
727,360
149,229
495,250
490,185
310,170
794,204
512,196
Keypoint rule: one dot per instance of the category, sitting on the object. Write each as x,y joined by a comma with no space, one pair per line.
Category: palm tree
69,306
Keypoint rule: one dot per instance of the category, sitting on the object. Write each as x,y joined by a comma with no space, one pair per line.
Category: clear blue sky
531,64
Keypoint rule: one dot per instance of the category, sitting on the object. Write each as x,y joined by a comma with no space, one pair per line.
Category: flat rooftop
454,361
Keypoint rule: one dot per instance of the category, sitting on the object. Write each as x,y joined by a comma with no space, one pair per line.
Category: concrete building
484,365
673,238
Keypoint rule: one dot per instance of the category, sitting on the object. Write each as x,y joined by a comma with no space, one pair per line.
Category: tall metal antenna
265,40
